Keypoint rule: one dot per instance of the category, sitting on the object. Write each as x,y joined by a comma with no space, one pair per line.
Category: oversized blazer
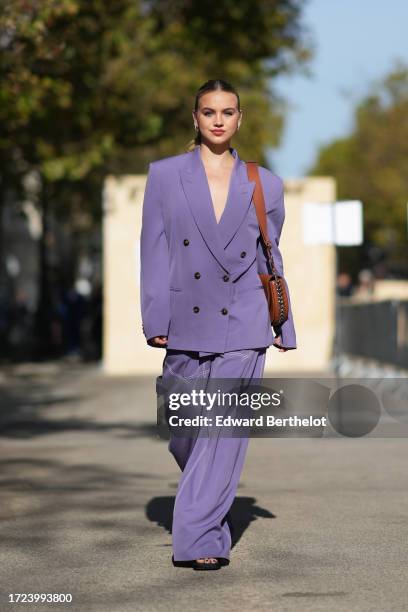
199,279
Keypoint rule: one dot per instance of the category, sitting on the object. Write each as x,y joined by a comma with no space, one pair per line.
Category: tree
89,87
370,164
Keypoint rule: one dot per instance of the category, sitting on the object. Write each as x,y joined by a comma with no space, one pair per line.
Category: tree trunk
44,313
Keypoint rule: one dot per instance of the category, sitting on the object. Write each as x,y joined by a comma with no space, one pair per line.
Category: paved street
87,491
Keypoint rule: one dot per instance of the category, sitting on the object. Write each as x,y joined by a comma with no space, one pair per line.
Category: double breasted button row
225,278
223,311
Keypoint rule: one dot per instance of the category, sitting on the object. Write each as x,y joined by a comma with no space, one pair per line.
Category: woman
202,301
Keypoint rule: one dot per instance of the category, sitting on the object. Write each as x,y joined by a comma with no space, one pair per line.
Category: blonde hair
192,144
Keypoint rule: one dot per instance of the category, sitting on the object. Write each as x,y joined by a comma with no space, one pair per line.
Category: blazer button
225,278
243,254
186,242
196,309
224,311
197,275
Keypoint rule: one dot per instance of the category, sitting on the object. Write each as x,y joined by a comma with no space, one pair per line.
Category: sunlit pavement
87,495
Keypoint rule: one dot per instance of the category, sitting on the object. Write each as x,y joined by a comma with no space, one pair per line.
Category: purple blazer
199,279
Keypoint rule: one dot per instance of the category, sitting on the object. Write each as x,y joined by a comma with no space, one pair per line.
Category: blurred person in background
344,284
366,286
71,311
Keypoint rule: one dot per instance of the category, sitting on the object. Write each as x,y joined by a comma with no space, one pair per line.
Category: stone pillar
124,347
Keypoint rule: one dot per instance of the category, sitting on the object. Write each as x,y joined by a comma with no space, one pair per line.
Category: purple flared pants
211,466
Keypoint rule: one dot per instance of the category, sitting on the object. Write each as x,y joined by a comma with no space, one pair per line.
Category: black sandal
181,563
206,566
223,561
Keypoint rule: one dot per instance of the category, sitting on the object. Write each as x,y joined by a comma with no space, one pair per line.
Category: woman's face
217,117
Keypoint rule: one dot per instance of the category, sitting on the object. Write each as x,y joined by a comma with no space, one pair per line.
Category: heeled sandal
223,561
206,565
181,563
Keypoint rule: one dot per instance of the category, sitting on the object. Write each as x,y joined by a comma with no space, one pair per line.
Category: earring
196,127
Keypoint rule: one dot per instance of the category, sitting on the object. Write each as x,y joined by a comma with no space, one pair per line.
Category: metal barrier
376,330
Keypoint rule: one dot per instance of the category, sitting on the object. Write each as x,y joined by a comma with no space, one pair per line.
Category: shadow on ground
39,402
244,510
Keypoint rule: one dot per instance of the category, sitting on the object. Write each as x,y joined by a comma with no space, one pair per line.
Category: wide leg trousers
211,465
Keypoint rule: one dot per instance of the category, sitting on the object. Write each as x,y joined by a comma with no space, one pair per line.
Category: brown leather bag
273,284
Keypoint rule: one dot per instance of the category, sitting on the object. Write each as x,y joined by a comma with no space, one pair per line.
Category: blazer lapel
195,185
196,189
238,203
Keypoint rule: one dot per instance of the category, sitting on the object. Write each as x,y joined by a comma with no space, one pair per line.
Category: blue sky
356,43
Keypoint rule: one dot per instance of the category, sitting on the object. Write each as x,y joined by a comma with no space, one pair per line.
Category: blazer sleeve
275,219
154,261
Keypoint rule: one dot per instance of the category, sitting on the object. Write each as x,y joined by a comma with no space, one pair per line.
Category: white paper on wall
339,223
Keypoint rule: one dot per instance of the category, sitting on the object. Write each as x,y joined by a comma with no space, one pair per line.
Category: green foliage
89,87
371,163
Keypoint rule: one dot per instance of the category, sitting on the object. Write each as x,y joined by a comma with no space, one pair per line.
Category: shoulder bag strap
259,203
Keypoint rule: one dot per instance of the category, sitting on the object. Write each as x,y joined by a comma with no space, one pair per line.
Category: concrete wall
390,289
309,271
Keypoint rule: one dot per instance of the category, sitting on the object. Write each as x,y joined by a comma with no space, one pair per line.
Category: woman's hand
158,341
278,342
